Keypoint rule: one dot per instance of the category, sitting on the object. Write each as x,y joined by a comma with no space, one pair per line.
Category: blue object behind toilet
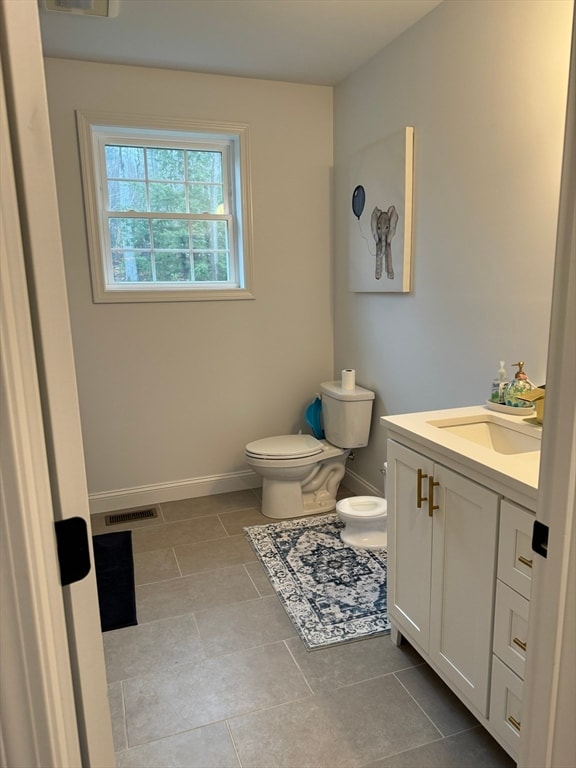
314,418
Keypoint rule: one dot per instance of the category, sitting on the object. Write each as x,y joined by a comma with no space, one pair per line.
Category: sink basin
489,433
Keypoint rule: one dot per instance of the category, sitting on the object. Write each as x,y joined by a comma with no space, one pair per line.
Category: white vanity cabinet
460,518
511,624
443,534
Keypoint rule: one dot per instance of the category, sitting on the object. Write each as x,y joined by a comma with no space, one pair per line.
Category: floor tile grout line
299,667
465,730
177,733
188,518
162,513
252,580
419,705
233,742
176,667
140,624
368,679
124,717
227,719
173,550
200,542
404,751
281,641
227,722
258,710
222,606
194,573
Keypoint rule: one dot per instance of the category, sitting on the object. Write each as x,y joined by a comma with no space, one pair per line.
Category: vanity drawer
515,548
506,706
511,627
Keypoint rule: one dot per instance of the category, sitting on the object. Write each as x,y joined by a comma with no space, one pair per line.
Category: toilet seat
363,506
284,447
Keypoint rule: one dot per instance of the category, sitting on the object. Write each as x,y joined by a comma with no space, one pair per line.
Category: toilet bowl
301,473
365,521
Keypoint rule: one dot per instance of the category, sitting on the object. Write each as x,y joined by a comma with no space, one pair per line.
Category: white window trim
90,124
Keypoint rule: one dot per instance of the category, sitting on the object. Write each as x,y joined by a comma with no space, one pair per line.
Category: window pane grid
169,250
157,179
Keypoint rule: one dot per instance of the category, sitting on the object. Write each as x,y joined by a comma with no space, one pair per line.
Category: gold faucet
536,397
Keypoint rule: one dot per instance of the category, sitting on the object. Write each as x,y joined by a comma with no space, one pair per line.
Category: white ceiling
302,41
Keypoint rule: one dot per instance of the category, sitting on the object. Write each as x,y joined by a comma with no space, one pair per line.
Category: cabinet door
506,707
515,549
463,582
511,627
409,544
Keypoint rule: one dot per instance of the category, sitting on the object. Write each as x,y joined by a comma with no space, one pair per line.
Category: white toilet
365,519
301,474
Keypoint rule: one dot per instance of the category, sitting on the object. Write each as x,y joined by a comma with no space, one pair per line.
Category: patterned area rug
332,593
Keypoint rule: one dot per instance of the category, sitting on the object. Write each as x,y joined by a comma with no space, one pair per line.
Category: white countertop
516,473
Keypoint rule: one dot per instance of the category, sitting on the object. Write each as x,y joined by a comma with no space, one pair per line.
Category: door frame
548,737
50,365
38,721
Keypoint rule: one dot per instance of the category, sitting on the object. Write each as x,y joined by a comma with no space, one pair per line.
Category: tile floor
214,676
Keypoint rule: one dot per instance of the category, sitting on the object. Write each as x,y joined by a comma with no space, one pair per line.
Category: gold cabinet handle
431,506
525,561
514,722
420,498
520,643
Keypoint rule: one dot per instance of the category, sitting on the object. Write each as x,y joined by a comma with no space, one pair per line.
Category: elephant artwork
383,225
380,177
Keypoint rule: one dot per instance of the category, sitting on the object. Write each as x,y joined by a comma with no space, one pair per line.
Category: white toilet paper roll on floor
348,378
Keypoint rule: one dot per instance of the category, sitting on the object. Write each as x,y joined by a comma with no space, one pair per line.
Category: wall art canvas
380,215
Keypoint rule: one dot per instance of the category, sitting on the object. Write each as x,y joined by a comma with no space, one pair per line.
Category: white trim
38,720
547,736
95,128
192,488
359,486
46,292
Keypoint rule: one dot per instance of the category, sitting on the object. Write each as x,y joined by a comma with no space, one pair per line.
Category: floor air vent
131,516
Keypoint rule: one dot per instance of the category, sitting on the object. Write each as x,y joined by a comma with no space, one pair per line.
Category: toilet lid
284,447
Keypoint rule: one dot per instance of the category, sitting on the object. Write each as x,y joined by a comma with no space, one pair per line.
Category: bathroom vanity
462,489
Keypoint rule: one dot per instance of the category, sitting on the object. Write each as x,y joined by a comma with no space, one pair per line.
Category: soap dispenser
518,386
499,385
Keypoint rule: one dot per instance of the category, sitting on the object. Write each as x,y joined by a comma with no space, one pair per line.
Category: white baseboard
127,498
360,487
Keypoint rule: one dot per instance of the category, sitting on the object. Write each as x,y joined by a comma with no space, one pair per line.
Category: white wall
484,85
171,393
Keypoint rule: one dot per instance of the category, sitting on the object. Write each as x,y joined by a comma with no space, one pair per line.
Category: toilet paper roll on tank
348,378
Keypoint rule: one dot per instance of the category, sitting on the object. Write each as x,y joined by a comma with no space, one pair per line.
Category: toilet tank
346,414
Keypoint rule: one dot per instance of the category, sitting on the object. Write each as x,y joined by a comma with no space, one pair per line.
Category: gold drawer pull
421,476
431,506
520,643
525,561
514,722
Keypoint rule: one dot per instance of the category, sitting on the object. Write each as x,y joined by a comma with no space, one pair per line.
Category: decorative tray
512,410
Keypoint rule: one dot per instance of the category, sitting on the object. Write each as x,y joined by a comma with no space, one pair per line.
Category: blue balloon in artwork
358,200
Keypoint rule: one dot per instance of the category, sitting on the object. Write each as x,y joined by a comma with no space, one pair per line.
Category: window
167,208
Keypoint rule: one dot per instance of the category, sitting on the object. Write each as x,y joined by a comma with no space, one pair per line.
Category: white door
58,450
548,736
463,578
410,543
